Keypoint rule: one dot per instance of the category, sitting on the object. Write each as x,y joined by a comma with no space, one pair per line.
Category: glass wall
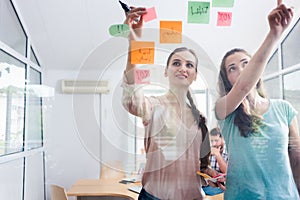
21,128
291,91
11,31
12,87
290,48
34,110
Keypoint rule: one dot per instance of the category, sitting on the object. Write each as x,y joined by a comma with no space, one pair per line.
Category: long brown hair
200,119
247,123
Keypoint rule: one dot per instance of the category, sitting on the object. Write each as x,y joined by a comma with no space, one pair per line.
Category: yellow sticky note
142,52
170,31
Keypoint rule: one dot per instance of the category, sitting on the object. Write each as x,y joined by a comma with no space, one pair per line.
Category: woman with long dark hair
261,134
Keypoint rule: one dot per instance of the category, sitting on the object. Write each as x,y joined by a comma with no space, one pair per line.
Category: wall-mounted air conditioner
85,86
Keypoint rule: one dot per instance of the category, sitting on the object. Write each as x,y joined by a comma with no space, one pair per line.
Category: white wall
11,176
72,130
66,157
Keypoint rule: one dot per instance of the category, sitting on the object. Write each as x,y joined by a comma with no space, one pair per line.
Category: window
21,168
291,90
285,82
273,64
33,57
290,48
270,85
11,31
34,110
12,85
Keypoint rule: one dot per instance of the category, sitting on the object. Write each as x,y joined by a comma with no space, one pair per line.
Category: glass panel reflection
269,87
12,85
13,34
33,57
290,47
273,65
34,110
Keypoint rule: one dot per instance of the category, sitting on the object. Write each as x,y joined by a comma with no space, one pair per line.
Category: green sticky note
198,12
119,30
222,3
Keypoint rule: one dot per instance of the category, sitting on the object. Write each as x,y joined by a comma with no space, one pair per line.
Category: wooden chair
58,193
112,170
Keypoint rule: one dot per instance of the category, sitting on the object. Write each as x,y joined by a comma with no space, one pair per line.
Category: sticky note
224,18
170,31
198,12
121,30
150,15
142,52
142,76
222,3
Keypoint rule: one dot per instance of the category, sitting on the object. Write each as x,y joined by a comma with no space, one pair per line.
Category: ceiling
64,33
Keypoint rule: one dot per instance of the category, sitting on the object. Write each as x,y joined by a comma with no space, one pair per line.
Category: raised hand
134,19
280,18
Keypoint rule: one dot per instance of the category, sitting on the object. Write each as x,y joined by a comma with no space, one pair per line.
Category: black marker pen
126,8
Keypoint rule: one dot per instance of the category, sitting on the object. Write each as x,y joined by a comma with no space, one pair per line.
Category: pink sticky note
151,14
142,76
224,18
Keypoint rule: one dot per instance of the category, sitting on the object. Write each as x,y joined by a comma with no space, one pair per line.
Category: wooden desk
215,197
95,188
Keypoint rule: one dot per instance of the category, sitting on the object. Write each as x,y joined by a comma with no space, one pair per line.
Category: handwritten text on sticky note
142,76
198,12
142,52
170,31
119,30
224,18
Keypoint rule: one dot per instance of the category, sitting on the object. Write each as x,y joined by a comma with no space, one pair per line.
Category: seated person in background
218,159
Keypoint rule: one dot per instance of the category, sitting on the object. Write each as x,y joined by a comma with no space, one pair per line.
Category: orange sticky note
142,76
142,52
150,15
170,31
224,18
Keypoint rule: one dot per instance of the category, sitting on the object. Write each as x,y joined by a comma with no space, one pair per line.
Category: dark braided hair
201,121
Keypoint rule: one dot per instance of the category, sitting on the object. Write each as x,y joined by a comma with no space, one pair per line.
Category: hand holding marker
126,9
121,29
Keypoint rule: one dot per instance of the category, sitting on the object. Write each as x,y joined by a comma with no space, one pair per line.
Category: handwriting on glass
142,76
199,10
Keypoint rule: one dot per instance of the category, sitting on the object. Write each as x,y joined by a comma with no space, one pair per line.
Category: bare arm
279,19
135,32
133,101
294,151
221,162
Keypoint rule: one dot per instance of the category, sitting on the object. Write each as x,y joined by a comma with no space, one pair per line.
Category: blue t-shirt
259,167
